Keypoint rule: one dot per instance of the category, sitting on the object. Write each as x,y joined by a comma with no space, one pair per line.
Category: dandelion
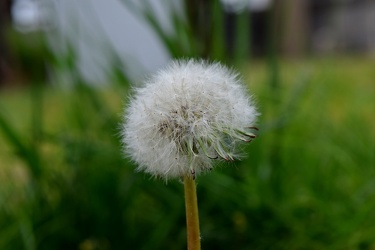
185,118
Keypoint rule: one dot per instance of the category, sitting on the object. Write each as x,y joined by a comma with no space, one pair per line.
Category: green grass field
308,181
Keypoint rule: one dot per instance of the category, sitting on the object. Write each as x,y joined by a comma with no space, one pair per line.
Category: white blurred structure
26,15
240,5
94,24
95,29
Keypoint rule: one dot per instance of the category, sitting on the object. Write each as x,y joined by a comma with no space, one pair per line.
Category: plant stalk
192,217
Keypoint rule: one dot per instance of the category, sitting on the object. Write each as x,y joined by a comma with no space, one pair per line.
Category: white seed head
187,116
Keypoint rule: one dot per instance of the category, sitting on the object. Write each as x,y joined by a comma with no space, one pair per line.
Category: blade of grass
28,154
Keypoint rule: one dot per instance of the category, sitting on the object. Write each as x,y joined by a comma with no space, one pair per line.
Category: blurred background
66,71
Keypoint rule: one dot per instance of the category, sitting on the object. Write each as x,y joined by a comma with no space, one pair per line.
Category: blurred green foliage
72,188
308,181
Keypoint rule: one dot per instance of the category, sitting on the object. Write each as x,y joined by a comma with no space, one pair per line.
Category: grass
308,181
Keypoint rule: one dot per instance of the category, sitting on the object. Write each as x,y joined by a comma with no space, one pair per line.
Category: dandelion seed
187,116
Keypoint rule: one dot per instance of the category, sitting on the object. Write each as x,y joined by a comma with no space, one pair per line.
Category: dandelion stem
192,217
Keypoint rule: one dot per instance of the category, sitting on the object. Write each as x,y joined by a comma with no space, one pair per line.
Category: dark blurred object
199,14
31,56
5,58
342,26
295,19
326,26
300,27
24,54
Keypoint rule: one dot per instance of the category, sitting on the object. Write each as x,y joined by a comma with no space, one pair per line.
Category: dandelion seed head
187,116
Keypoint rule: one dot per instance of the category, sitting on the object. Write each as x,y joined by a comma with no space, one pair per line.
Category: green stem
192,217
